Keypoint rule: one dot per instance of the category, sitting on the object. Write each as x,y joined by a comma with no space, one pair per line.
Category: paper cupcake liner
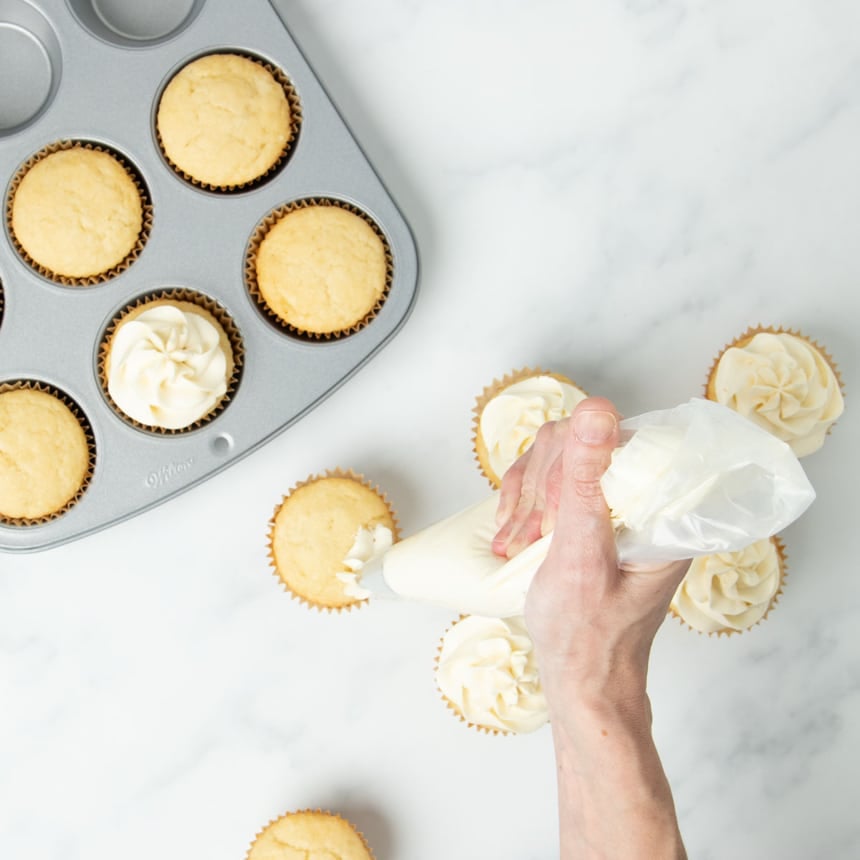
479,449
251,269
449,705
2,302
315,812
730,631
307,601
749,334
205,303
276,166
33,385
146,215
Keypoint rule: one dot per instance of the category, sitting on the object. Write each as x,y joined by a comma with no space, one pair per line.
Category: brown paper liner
730,631
170,296
449,705
2,302
314,812
146,215
304,599
748,335
276,166
33,385
479,449
251,269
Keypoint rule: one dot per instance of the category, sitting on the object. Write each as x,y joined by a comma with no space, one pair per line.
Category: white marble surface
610,190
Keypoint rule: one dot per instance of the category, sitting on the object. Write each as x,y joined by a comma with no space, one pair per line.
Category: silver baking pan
93,70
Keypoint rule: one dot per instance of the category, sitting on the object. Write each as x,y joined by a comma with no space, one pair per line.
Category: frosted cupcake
46,454
782,381
77,214
509,413
319,268
487,674
225,121
168,363
324,532
308,835
729,592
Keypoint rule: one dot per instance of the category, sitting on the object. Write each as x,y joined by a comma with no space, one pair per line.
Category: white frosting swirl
167,367
487,670
729,590
369,544
785,385
511,420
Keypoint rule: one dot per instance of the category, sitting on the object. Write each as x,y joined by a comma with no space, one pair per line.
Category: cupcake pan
92,70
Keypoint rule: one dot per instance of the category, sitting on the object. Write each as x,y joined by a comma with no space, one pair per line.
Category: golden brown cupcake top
77,212
309,835
321,269
224,120
316,528
44,455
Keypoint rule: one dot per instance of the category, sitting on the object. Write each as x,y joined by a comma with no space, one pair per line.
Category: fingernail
593,427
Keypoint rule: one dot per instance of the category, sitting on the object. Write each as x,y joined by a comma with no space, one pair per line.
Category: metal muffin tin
93,70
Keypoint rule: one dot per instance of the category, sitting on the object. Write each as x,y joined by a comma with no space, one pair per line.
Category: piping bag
689,481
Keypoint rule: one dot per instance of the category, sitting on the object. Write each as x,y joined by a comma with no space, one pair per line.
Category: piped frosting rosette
509,412
170,361
487,674
729,592
781,380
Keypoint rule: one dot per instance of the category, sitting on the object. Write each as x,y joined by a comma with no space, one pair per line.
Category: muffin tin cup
221,316
198,241
146,217
34,385
295,124
251,270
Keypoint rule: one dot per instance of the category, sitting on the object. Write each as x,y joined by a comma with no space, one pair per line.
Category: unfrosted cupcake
77,213
310,834
729,592
782,381
319,268
226,120
510,411
487,673
322,534
46,454
168,363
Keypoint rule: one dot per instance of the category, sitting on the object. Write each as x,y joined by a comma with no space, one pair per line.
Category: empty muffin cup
130,24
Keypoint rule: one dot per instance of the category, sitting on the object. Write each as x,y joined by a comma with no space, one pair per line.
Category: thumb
583,528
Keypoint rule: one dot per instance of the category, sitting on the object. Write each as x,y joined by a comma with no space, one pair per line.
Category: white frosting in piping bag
691,481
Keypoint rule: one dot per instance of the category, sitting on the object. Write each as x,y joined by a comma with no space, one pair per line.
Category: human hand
591,620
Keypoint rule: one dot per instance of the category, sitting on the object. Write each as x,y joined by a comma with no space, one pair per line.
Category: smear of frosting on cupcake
488,671
369,544
729,590
784,384
167,367
511,420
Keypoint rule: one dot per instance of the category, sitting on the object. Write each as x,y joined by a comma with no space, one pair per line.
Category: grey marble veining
609,190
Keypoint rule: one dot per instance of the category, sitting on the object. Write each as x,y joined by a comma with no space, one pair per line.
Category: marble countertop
609,190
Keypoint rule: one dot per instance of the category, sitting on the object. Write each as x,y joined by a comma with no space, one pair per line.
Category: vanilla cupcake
168,363
46,454
487,673
782,381
307,835
510,411
729,592
77,214
225,121
322,534
319,268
